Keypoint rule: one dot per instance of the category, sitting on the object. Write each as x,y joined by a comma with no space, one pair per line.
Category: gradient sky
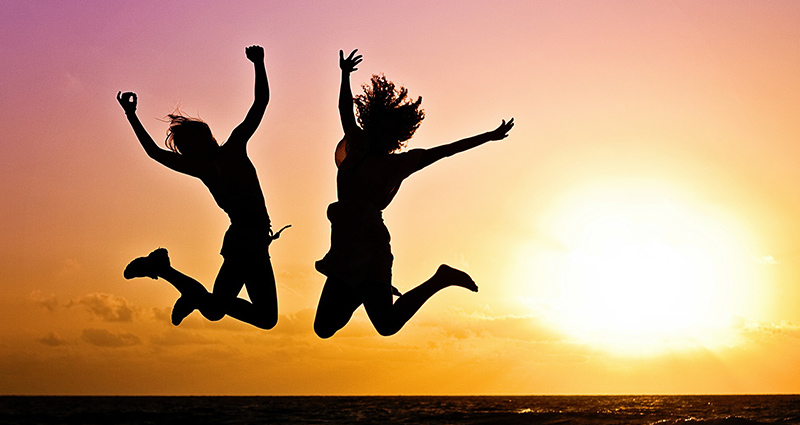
679,118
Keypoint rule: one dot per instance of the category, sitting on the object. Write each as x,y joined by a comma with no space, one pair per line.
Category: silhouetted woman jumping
359,264
231,178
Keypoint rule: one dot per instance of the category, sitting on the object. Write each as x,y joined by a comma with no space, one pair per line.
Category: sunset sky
637,232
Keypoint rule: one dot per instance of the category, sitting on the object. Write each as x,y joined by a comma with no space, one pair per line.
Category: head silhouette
387,116
190,136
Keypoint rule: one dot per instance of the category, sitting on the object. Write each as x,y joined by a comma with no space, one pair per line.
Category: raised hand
349,64
255,53
501,132
127,100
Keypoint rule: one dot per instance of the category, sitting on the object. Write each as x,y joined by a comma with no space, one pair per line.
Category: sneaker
147,266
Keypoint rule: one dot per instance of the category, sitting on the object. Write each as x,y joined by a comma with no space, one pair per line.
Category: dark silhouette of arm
242,133
347,65
175,161
429,156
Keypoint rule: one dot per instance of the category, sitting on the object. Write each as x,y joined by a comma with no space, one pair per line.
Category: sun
637,269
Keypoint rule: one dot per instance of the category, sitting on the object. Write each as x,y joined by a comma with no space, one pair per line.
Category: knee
213,314
267,322
324,330
210,307
386,329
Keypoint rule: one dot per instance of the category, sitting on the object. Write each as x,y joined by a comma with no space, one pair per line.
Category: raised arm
173,160
429,156
242,133
347,65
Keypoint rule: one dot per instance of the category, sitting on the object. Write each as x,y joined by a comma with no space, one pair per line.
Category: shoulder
406,163
353,144
341,152
412,155
231,148
356,138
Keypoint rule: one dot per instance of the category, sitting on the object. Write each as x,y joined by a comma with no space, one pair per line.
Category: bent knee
267,322
323,334
213,314
324,330
387,329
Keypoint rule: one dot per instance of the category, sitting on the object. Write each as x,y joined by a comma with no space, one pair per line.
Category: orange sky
675,122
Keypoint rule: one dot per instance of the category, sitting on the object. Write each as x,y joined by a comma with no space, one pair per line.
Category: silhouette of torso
374,178
233,182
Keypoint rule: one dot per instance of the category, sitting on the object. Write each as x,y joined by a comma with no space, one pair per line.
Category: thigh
378,302
336,306
230,279
259,279
246,263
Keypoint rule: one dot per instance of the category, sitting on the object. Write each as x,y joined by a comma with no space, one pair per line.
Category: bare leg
389,318
193,294
262,309
336,306
262,312
156,265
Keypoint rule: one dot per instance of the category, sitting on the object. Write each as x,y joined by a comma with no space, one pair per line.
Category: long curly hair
387,115
185,133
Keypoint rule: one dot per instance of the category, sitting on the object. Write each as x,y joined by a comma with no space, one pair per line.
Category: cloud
68,267
527,328
297,323
783,328
175,337
53,340
48,301
104,338
110,308
162,314
462,325
766,259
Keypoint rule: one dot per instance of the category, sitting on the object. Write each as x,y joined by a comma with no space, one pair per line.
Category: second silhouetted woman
358,265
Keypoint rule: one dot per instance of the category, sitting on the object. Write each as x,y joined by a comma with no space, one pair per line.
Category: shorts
246,242
360,245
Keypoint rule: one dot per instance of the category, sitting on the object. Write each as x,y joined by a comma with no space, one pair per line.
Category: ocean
661,410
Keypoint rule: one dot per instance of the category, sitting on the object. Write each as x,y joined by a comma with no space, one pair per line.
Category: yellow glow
639,272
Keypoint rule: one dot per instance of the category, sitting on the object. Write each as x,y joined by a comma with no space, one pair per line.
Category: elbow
261,101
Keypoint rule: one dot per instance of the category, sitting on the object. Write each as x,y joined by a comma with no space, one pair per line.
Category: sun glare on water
638,272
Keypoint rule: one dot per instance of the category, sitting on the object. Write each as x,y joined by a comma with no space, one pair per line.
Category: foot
182,308
455,277
148,266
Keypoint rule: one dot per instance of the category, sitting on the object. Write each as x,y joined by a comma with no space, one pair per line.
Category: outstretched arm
242,133
173,160
347,65
429,156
